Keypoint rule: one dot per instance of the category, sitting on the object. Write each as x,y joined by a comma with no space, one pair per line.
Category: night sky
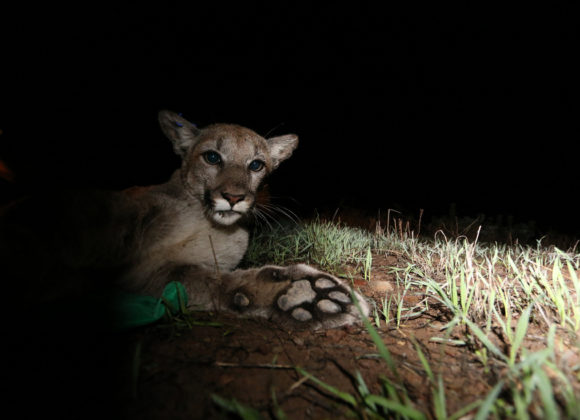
397,109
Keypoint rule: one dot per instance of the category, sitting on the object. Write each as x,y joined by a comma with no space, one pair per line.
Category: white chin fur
223,214
226,217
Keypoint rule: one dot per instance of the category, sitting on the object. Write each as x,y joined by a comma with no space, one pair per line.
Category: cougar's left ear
281,148
181,132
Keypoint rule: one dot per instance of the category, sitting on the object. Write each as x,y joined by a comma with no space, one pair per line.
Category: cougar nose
233,198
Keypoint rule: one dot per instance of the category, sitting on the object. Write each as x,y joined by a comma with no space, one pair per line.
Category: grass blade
439,399
233,406
437,387
395,406
487,405
546,395
463,411
423,360
344,396
521,329
537,358
383,351
486,342
276,409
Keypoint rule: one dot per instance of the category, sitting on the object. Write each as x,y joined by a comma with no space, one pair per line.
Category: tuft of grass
325,244
484,289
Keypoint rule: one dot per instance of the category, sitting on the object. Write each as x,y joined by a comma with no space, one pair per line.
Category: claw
241,300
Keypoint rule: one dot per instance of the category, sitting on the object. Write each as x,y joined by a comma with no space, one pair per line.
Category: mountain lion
192,229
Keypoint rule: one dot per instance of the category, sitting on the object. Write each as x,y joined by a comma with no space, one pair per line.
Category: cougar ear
281,148
181,132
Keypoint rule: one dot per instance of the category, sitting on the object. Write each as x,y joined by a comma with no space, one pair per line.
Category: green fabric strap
131,310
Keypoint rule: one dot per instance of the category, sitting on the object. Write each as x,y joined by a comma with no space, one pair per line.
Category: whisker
260,218
273,129
273,209
267,213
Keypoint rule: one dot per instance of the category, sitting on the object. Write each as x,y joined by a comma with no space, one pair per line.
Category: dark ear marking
181,132
177,123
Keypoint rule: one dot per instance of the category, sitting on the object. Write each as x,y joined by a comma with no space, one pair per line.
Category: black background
402,109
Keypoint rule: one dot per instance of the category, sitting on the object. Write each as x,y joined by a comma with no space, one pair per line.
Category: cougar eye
256,165
211,157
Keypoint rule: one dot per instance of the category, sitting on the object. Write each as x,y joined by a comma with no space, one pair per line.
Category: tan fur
145,237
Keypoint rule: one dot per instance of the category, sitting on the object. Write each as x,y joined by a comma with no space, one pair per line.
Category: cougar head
223,165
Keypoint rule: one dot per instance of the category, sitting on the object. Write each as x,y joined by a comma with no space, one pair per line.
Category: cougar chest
192,239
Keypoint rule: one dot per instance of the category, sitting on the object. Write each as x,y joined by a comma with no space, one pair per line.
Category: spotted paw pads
306,299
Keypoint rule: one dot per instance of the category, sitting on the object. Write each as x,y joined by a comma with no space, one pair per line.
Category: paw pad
329,306
299,293
324,283
339,296
301,314
307,299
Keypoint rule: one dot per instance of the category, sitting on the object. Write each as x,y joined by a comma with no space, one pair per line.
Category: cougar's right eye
211,157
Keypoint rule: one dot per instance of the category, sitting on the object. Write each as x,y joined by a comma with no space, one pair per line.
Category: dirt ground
168,372
253,361
67,366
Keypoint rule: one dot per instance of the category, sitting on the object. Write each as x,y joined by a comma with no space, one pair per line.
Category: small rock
381,286
298,341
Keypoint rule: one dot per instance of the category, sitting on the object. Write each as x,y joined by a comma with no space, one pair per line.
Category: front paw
316,299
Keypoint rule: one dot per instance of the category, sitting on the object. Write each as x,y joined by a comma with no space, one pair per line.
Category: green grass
484,290
324,244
